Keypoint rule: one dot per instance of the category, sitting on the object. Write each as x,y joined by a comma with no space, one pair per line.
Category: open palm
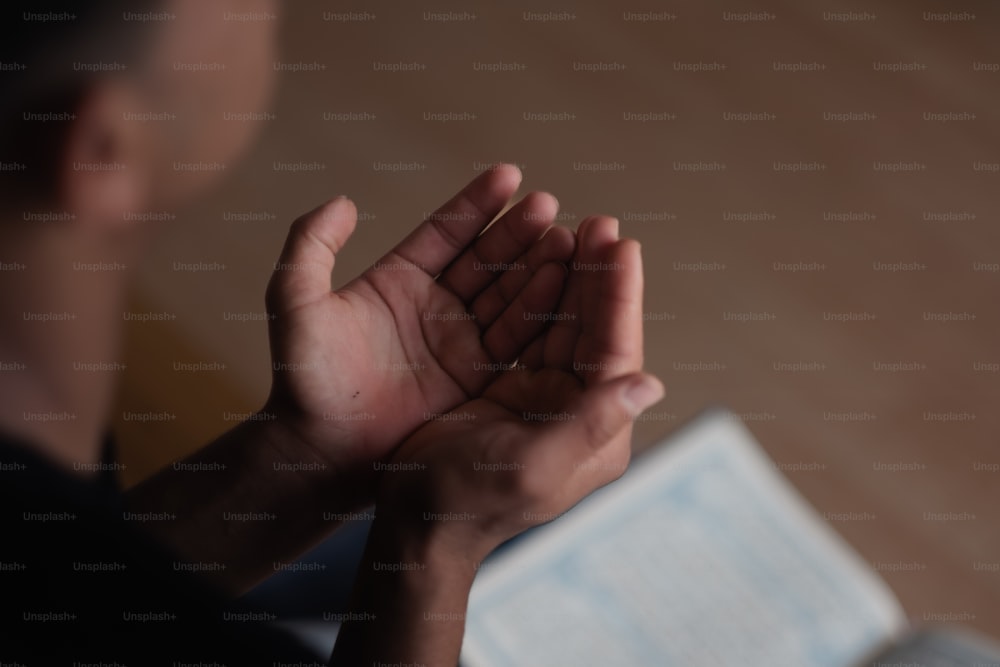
543,435
426,328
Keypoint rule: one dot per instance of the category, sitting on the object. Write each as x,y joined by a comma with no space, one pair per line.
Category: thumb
600,415
302,272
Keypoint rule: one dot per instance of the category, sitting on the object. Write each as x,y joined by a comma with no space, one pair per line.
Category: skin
536,441
395,315
425,331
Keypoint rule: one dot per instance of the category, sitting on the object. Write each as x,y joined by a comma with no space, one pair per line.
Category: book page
701,555
941,648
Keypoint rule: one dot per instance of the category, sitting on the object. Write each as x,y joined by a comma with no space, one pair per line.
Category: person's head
124,105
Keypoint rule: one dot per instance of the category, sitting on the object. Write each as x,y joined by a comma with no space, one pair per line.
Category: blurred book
703,554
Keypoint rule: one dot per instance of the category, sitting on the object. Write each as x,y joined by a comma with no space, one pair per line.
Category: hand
424,329
540,437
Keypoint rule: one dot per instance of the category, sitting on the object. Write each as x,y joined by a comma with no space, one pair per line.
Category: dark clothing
80,583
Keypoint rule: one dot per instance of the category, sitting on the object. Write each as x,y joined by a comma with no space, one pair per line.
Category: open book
702,554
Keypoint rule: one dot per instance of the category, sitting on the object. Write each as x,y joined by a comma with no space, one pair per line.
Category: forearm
408,605
249,500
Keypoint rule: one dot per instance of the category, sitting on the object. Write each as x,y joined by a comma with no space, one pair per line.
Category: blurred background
815,186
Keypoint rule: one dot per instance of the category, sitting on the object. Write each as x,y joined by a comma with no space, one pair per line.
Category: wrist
410,598
427,550
448,540
295,452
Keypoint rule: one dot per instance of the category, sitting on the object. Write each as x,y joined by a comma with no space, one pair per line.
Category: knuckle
528,486
525,483
598,429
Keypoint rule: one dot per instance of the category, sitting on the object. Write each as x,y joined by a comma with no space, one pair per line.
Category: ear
104,160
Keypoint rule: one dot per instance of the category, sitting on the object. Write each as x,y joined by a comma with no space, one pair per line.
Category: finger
556,246
594,233
533,355
303,271
589,263
610,342
587,442
439,239
601,410
527,315
500,245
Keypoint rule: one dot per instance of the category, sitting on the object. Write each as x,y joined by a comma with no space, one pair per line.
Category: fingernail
642,393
